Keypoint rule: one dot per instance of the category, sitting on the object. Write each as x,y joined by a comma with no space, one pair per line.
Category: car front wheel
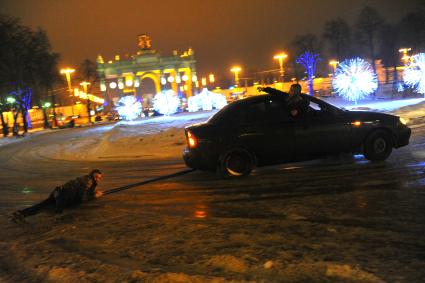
378,146
236,162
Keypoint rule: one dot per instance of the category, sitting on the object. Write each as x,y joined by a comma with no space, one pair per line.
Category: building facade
147,73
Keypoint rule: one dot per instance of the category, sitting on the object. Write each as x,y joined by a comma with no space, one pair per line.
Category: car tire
236,162
378,145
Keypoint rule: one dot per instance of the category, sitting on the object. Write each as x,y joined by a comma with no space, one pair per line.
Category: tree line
29,72
371,37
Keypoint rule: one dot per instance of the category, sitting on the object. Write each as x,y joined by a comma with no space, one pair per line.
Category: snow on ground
142,138
138,139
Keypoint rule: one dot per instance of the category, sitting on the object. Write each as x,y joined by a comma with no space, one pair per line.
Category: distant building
147,73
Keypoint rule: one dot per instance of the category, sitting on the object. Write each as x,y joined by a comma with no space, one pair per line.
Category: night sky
221,32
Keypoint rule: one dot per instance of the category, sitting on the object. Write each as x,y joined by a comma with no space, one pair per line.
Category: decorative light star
166,102
354,79
129,107
414,73
206,100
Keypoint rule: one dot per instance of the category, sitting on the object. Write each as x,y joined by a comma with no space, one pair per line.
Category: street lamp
334,64
85,85
67,72
405,56
236,70
280,57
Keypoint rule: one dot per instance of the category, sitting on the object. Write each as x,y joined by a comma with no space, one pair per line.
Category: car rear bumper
403,137
199,159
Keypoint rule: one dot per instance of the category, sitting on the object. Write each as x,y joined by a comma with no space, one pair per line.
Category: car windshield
319,104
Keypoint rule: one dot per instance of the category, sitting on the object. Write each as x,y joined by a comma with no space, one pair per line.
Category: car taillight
191,140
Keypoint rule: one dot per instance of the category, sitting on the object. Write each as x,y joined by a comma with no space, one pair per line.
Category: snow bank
158,137
414,114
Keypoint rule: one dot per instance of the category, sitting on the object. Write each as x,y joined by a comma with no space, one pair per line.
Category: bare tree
337,33
368,24
412,32
25,57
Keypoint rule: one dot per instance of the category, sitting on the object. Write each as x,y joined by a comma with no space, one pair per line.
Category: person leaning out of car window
296,104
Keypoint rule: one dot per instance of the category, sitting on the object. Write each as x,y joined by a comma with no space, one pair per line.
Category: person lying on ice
74,192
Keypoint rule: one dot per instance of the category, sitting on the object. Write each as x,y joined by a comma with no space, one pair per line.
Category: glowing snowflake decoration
414,73
354,79
129,107
206,100
166,102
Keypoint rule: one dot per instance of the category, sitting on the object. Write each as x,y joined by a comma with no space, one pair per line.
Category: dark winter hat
95,171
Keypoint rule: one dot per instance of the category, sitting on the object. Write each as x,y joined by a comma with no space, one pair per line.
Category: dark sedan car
260,130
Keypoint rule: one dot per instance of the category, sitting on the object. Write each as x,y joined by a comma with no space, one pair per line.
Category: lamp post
334,64
280,57
405,56
67,72
85,85
236,70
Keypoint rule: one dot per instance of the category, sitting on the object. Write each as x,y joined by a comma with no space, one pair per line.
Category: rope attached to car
160,178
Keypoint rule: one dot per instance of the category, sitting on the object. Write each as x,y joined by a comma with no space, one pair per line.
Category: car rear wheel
378,146
236,162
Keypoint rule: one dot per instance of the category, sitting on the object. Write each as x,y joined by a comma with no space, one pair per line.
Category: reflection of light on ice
200,211
291,168
206,100
200,214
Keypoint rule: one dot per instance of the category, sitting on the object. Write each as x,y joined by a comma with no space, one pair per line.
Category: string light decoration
309,61
129,108
166,102
414,73
354,79
206,100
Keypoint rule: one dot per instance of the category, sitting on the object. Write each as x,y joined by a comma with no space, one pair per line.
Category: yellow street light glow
211,78
334,64
84,84
204,81
280,57
405,56
67,72
236,70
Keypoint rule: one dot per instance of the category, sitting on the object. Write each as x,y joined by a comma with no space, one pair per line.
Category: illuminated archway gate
122,77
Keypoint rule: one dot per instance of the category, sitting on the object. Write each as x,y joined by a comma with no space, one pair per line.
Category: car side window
278,111
253,113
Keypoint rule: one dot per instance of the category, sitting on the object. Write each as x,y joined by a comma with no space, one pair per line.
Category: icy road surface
340,219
